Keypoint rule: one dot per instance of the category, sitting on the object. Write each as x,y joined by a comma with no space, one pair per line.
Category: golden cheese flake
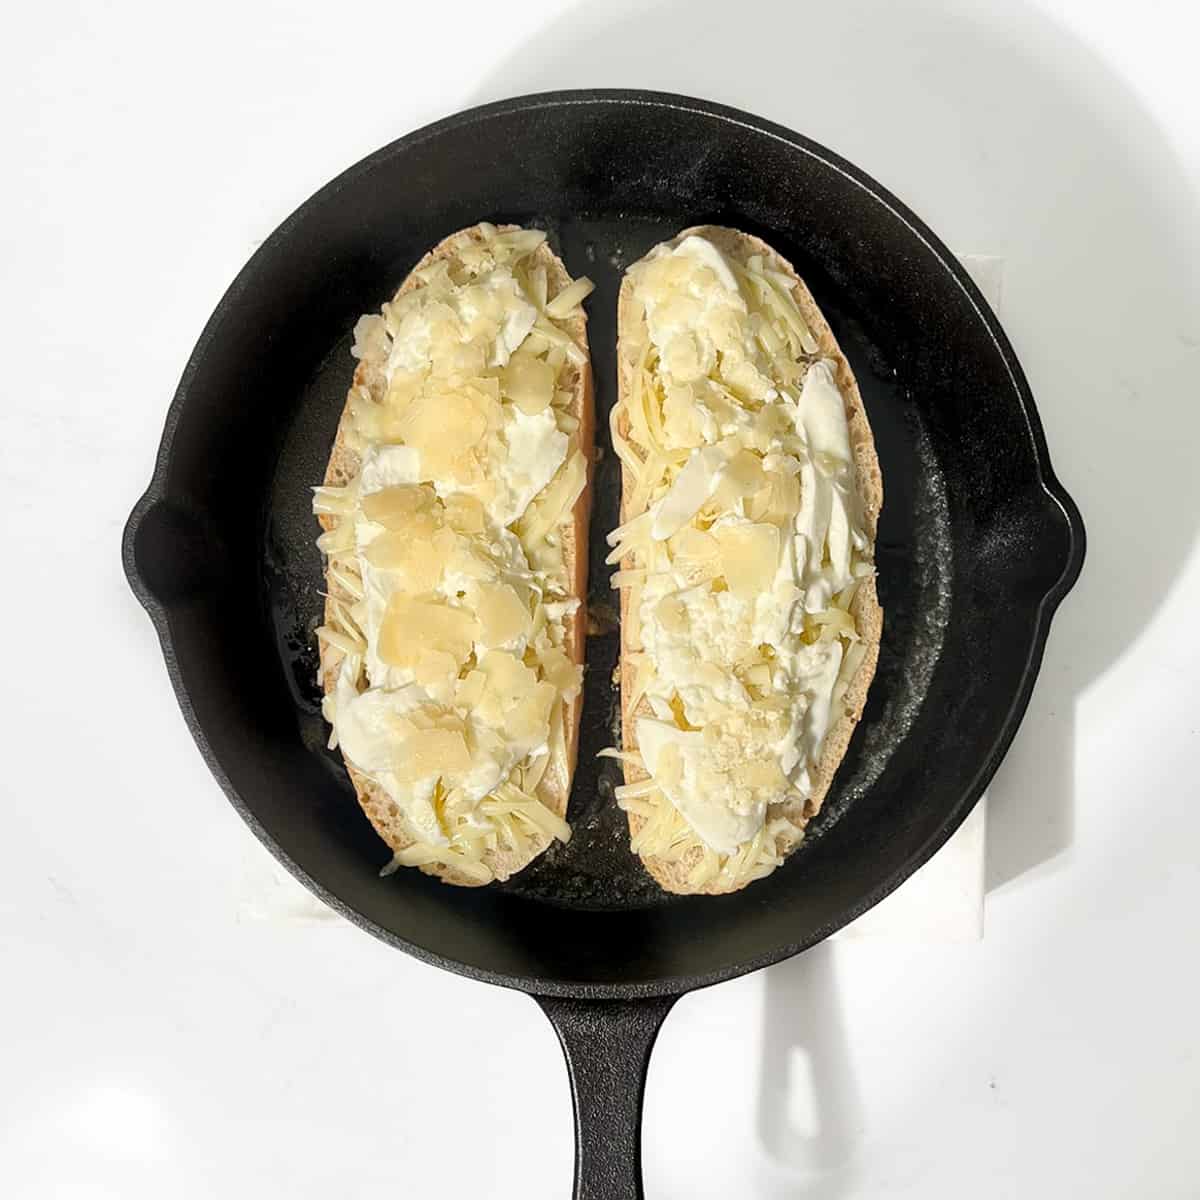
469,689
433,752
403,388
693,544
421,558
503,615
749,557
740,477
514,698
779,502
445,431
410,626
464,514
431,668
528,382
394,507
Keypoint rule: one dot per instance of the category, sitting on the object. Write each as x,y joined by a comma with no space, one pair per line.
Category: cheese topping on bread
447,552
743,545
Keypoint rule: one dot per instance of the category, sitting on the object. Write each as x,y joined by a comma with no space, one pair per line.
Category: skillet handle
607,1046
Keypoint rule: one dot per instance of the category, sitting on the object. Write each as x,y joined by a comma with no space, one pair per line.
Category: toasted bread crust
555,787
868,616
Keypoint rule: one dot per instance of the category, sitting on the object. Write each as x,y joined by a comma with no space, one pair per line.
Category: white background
159,1038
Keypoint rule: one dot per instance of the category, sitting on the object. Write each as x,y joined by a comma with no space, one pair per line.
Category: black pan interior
976,544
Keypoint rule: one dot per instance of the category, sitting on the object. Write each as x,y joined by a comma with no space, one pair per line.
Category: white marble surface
157,1042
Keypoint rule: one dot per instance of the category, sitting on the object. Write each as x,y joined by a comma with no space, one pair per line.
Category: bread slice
555,787
868,616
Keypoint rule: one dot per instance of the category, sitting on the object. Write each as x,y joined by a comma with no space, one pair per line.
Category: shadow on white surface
1011,138
809,1116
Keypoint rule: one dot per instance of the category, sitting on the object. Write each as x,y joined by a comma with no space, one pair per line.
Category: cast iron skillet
977,545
